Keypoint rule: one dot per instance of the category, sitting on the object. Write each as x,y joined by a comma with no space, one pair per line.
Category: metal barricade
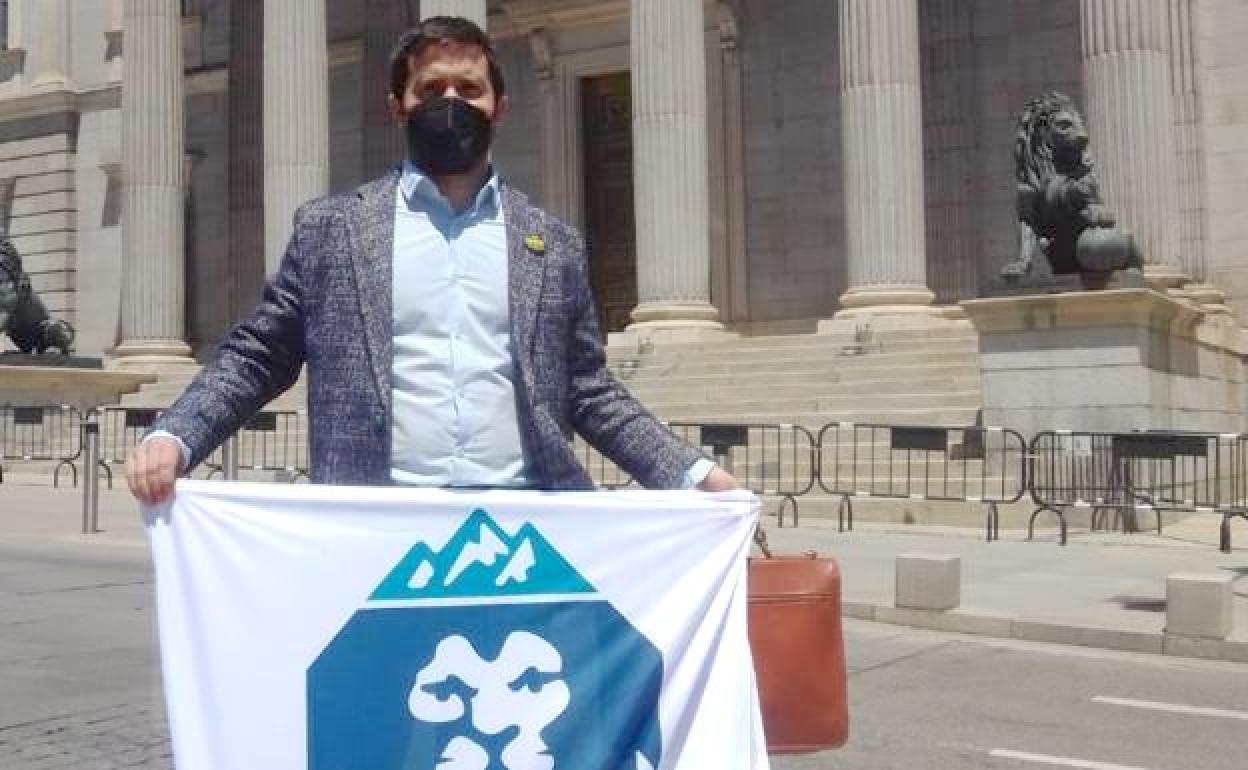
1125,474
980,465
121,429
271,441
41,433
769,459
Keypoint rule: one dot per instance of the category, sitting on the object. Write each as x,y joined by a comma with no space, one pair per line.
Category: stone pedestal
1116,360
77,387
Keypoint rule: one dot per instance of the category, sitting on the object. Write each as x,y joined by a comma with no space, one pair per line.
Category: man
447,324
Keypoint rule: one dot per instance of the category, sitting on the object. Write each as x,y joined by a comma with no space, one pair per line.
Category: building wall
206,59
1222,30
518,149
1021,50
795,231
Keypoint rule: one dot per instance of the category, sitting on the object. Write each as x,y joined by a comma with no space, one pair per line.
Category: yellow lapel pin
535,243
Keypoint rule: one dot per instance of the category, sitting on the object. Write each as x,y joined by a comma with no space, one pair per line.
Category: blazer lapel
526,250
372,256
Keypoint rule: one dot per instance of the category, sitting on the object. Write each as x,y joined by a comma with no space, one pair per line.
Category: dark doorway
607,150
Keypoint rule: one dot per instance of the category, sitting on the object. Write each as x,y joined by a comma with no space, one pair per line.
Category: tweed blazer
329,306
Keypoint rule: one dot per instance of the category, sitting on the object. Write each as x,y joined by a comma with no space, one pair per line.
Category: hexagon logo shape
489,653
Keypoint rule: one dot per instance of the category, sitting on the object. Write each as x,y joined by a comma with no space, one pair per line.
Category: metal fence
1120,476
121,429
271,441
41,434
975,465
1116,476
769,459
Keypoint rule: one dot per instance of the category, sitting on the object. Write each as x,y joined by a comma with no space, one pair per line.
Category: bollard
229,458
1200,605
928,581
90,477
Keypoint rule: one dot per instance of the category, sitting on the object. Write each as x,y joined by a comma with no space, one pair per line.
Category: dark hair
436,30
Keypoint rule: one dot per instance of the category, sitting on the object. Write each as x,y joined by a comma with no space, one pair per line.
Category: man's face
452,70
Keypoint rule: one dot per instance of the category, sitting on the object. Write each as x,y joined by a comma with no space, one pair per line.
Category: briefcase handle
760,539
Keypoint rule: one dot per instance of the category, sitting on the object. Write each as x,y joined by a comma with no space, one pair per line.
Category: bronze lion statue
1064,226
23,315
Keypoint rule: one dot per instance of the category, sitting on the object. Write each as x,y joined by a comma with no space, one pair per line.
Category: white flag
334,628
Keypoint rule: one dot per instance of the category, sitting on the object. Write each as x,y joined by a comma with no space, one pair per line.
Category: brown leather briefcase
799,654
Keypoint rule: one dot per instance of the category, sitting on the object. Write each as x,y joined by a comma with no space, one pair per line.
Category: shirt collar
420,191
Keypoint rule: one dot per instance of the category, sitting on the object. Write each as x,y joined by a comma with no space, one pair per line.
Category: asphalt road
79,688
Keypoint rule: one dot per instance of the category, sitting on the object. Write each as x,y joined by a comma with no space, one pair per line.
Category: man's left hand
718,480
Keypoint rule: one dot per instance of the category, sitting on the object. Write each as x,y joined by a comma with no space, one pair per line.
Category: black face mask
447,136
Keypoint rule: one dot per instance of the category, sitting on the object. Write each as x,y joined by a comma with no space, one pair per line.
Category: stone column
1190,159
153,311
668,49
469,9
296,116
48,62
882,134
1131,121
384,148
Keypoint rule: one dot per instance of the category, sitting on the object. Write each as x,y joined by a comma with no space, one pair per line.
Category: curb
1004,626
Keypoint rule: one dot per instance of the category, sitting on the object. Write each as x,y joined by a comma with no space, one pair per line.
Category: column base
1164,277
646,334
150,355
1210,298
675,315
886,300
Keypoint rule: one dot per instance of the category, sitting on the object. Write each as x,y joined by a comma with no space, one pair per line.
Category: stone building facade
761,164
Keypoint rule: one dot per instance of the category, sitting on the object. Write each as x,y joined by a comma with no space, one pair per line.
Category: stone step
792,360
832,404
901,370
813,420
896,338
733,391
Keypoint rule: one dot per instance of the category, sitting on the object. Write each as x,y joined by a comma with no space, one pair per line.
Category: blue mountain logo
481,559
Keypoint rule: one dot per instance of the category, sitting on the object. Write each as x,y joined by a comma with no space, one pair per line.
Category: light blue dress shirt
453,390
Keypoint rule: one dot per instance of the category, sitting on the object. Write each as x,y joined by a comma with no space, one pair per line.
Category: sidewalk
1103,590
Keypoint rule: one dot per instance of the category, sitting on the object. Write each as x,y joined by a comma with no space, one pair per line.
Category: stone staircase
896,377
893,377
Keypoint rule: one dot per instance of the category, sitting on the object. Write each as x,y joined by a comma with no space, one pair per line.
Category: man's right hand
152,468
